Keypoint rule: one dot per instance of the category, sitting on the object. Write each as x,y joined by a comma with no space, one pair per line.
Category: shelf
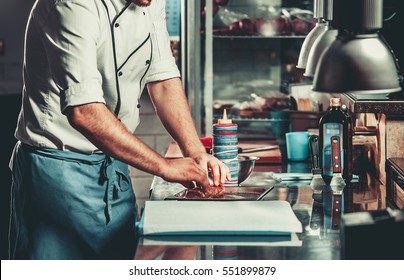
392,105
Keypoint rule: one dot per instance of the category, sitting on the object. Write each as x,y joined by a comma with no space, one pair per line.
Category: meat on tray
211,192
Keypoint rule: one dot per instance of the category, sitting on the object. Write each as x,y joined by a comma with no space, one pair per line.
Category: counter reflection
161,252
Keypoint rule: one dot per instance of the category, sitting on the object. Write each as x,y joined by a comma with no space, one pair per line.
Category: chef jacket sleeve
163,64
70,39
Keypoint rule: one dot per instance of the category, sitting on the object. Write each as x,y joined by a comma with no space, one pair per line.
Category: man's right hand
185,171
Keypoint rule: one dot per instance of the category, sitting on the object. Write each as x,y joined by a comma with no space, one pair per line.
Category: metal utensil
317,183
265,193
257,149
246,166
282,177
317,215
337,182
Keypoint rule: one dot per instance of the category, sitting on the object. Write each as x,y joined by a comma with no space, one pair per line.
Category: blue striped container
225,148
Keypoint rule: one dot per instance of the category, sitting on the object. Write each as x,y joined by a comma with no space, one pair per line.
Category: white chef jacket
85,51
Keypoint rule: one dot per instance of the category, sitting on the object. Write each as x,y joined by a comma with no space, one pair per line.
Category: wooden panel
269,156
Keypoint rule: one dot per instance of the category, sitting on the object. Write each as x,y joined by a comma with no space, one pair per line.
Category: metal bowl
246,165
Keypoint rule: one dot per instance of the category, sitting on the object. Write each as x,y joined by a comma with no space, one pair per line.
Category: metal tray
230,193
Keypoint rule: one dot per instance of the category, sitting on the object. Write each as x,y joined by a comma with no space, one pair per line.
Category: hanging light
358,60
319,13
322,42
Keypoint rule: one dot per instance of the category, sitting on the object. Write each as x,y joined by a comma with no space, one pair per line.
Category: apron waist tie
109,173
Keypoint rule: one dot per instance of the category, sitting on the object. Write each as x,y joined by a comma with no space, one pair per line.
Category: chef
86,63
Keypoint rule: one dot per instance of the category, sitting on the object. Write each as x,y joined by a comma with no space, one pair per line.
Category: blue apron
69,205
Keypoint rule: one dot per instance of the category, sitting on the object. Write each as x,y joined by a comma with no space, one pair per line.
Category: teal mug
297,145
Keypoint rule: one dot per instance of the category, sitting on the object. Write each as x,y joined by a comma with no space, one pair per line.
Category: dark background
13,18
393,29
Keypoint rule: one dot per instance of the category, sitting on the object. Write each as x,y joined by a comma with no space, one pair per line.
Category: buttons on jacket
120,73
116,24
147,62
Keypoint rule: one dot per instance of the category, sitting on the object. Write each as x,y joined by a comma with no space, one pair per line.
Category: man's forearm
172,108
107,133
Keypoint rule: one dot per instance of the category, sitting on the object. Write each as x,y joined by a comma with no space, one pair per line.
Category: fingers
220,171
225,172
204,183
215,170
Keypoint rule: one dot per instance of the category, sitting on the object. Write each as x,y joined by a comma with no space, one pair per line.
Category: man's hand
220,171
193,172
185,171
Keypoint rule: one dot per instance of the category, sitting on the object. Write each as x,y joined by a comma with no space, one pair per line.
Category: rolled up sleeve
71,47
81,93
163,64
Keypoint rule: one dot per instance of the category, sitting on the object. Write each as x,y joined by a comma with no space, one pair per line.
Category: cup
297,145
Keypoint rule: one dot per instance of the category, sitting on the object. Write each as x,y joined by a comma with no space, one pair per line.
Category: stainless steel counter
320,238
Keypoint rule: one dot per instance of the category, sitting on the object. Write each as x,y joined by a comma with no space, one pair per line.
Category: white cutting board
218,218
